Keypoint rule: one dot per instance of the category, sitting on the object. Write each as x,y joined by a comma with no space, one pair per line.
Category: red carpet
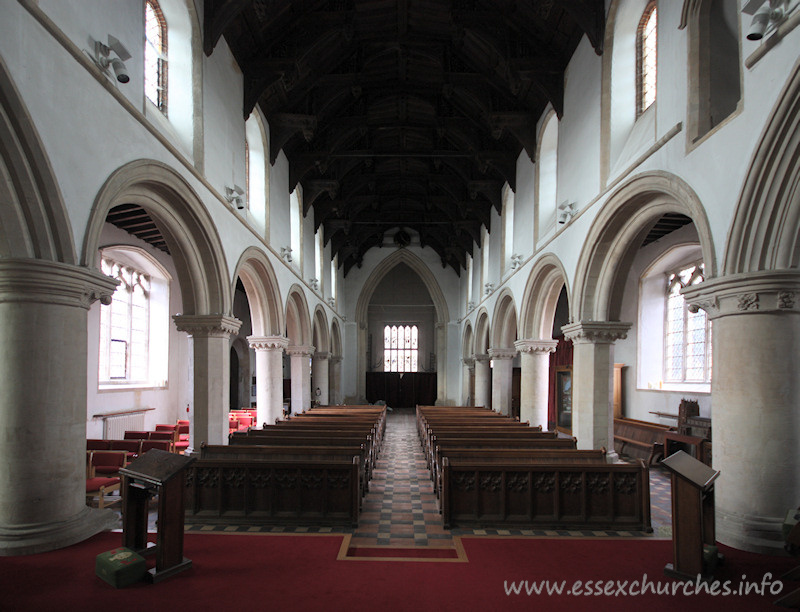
295,572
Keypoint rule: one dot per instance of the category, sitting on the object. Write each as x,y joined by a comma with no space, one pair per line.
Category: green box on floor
120,567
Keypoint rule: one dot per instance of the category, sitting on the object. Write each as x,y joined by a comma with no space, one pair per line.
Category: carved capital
469,362
536,347
321,356
207,326
481,358
747,293
336,359
502,353
596,332
300,351
268,343
50,282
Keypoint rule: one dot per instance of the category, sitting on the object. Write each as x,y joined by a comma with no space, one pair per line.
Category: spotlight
234,196
102,57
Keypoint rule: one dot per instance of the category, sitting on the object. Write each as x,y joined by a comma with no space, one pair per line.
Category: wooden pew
272,491
551,496
523,455
640,439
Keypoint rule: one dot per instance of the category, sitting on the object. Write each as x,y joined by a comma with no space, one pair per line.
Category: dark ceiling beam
217,15
285,125
313,189
590,17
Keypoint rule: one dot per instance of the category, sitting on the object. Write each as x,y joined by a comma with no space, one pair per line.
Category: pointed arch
33,219
618,231
540,299
184,222
765,233
504,321
261,285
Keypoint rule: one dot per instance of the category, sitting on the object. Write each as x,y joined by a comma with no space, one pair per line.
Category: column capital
765,291
335,359
596,332
306,351
207,326
265,343
469,362
52,282
502,353
536,347
481,358
321,355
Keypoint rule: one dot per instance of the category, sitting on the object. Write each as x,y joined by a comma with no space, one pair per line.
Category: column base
44,537
759,534
612,456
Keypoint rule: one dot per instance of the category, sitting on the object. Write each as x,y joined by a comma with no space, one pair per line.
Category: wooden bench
640,439
551,496
524,455
271,491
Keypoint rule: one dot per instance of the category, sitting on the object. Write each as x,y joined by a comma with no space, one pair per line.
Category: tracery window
687,335
400,348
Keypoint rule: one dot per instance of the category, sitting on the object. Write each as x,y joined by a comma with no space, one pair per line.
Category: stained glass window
687,338
400,348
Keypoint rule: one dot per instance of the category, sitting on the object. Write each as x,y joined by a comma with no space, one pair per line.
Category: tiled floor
402,510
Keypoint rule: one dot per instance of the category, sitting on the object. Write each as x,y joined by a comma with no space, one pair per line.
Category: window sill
126,386
677,387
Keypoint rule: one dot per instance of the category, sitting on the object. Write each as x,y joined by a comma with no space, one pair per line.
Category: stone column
210,340
592,381
440,350
301,377
468,371
755,391
269,376
319,377
535,380
335,374
482,381
43,309
503,362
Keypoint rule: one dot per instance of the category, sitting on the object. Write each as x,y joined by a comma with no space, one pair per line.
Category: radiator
115,425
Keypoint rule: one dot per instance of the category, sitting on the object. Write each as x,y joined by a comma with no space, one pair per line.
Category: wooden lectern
692,517
159,473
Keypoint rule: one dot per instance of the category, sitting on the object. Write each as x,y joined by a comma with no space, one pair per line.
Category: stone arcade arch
44,301
617,233
268,341
538,310
468,370
755,311
440,306
335,368
320,359
300,349
502,351
483,373
199,260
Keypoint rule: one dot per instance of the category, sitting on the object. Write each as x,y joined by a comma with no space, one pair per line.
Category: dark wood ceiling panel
403,113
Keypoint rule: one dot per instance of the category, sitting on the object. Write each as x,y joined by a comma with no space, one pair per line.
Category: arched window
646,58
687,335
508,227
134,328
256,166
155,55
547,176
296,226
400,348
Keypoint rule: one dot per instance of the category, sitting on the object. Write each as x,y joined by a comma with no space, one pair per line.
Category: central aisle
400,508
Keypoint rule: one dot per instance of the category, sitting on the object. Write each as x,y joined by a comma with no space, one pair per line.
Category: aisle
400,508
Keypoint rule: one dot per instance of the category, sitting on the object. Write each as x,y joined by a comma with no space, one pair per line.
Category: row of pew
490,470
312,469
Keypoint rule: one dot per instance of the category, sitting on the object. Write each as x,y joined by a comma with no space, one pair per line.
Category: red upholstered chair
107,463
169,436
245,422
136,435
100,486
183,438
233,425
164,445
132,447
94,444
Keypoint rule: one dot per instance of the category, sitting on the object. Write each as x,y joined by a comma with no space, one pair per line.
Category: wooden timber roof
402,114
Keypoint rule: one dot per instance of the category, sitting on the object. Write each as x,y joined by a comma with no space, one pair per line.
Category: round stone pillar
210,340
269,376
502,364
301,377
535,380
319,377
335,378
483,388
755,394
43,357
467,381
593,382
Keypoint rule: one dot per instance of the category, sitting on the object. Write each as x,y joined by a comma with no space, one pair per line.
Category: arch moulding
540,298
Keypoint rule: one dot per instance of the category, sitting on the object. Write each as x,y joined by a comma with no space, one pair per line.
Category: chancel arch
441,315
